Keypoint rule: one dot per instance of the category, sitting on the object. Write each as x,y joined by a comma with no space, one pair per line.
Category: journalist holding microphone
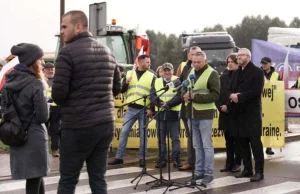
168,121
205,92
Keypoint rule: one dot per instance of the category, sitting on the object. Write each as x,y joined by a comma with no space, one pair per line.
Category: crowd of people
74,101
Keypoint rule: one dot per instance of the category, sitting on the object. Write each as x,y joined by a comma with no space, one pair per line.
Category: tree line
165,48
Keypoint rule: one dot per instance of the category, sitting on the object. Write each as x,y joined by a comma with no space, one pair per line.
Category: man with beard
245,94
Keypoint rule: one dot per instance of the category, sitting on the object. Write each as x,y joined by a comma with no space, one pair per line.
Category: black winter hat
27,53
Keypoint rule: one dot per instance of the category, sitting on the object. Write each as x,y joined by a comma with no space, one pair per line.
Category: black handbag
12,130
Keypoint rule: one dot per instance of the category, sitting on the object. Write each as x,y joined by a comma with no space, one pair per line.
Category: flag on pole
7,68
286,71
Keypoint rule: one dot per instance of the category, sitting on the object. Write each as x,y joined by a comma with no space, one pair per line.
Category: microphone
184,84
192,78
172,84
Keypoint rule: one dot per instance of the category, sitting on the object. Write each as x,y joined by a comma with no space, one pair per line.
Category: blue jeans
127,128
202,142
172,128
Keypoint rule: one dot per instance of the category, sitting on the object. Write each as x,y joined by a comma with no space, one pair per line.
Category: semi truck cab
216,45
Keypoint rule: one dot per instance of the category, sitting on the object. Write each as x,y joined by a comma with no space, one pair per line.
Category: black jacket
86,80
224,117
31,159
247,113
185,72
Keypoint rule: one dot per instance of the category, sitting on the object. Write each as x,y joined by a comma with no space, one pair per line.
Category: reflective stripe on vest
183,64
201,88
274,77
139,88
167,96
48,96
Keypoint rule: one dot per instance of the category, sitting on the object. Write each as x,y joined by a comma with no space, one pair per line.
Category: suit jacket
246,119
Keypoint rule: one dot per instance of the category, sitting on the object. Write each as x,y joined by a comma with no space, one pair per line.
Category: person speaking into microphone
167,120
205,91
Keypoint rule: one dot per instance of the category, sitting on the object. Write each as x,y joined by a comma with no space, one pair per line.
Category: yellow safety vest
200,87
298,86
274,77
167,96
182,65
139,88
48,95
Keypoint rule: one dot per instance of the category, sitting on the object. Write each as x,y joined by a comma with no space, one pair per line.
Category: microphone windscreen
176,83
192,76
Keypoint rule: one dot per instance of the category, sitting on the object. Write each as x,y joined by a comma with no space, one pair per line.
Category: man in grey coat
86,80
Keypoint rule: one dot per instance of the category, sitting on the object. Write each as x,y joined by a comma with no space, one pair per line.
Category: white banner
292,101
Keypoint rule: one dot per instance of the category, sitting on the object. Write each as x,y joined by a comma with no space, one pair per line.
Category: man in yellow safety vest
204,93
53,123
167,120
137,84
270,75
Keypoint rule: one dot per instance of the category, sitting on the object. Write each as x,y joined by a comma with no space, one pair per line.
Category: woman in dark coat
233,158
29,161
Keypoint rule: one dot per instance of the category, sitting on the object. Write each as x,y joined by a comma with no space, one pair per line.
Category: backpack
12,130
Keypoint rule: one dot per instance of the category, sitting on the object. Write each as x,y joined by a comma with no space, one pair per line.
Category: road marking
126,182
15,185
275,189
219,182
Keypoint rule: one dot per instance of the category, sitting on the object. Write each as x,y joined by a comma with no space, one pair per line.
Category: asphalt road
281,176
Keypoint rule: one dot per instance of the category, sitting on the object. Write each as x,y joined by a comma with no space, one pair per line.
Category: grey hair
201,54
194,48
248,52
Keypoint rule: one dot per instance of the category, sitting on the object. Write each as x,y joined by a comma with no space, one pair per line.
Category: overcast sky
37,21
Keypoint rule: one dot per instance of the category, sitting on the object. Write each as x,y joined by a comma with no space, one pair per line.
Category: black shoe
236,168
115,161
269,151
142,163
244,173
161,163
226,168
177,163
257,177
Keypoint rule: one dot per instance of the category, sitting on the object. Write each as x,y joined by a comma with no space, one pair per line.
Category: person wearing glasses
245,90
270,75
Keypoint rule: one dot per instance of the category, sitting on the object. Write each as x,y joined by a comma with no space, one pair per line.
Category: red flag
7,68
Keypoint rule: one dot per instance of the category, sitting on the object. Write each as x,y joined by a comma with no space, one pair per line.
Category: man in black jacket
245,90
86,80
183,76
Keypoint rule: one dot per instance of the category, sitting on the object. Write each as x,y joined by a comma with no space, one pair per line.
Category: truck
289,37
216,45
120,41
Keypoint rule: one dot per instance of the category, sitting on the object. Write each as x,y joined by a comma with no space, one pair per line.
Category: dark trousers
81,145
233,152
190,148
35,186
54,126
257,150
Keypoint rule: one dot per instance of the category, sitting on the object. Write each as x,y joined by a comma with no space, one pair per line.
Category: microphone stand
193,182
143,97
144,170
161,181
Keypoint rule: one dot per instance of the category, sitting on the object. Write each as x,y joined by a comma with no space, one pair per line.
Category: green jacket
213,85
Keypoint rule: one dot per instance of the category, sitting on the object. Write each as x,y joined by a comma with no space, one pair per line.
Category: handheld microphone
184,84
172,84
192,78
